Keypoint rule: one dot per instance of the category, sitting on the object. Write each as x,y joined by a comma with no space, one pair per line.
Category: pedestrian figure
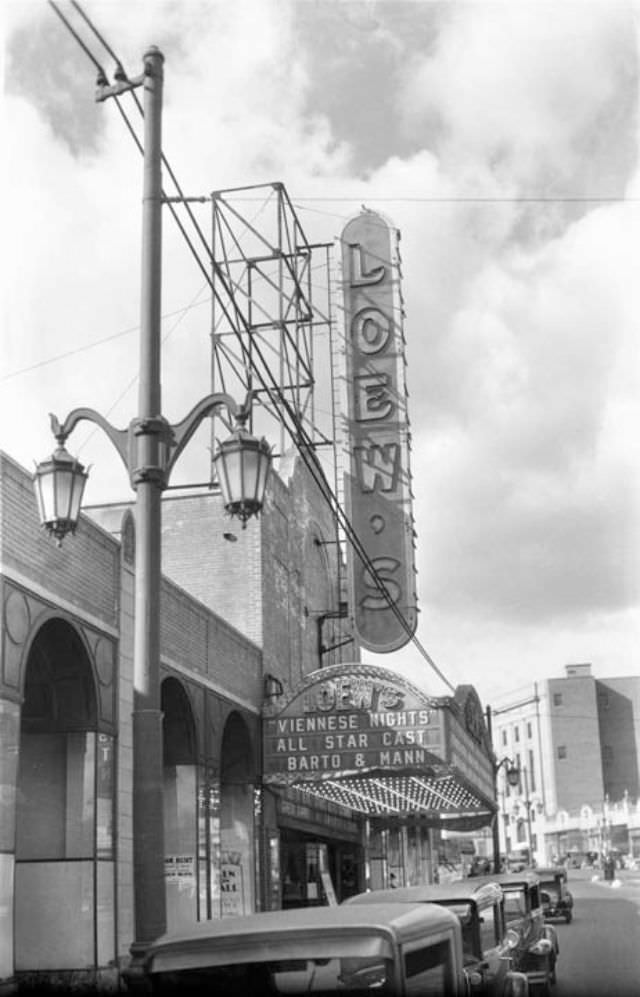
609,868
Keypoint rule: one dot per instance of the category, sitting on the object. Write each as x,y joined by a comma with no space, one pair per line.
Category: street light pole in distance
513,778
149,450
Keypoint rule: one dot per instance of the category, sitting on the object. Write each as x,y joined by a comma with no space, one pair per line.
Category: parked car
394,950
557,899
486,946
519,860
536,951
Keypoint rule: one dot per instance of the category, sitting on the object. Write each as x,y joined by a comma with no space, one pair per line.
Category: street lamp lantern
242,465
59,486
513,775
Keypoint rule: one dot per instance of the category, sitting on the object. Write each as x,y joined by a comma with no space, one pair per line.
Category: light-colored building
576,742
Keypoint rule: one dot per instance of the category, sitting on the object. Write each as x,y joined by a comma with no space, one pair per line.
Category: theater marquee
366,738
377,483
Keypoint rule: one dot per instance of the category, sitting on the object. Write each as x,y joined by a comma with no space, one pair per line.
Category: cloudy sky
502,140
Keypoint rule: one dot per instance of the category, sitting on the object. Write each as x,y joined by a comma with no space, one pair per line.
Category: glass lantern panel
77,490
265,465
45,495
63,492
250,475
229,467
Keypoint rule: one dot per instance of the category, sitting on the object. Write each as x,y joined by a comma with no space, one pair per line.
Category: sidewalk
623,877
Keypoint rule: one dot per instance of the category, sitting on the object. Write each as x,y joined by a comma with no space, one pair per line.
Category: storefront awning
365,738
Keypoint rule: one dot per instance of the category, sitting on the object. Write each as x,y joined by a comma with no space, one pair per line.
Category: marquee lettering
350,694
378,466
371,331
359,276
385,567
372,397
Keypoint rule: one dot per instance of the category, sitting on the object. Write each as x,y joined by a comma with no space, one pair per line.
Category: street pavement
600,949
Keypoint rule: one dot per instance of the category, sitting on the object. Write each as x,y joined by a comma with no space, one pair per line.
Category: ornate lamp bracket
184,430
119,437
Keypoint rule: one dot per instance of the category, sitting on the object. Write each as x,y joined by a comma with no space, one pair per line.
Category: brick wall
271,581
619,721
222,574
576,742
194,637
298,539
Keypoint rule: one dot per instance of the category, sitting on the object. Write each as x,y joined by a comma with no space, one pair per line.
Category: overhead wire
102,76
282,406
293,423
97,342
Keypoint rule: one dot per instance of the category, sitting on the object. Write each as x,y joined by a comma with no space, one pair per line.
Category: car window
514,904
488,928
292,976
428,971
535,897
464,913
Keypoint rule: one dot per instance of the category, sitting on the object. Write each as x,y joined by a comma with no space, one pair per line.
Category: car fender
551,933
516,985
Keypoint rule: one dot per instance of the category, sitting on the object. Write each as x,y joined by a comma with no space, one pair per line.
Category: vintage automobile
392,950
536,951
557,899
486,946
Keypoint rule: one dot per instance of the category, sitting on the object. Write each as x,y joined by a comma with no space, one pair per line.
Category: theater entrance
318,871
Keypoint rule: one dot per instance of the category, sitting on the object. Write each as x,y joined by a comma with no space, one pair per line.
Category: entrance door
303,861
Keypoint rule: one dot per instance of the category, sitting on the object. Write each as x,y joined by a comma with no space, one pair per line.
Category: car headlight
542,947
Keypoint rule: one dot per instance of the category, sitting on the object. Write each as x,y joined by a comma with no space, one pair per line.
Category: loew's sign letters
378,482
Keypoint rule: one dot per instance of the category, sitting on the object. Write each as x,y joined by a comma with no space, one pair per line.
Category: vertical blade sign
378,482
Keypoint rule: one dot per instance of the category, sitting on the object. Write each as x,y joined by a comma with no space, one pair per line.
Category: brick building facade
66,874
248,616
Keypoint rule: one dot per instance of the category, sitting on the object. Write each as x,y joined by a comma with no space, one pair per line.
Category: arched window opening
64,812
237,831
180,814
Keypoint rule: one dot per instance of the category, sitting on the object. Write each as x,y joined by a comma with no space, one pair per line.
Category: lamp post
515,774
149,449
527,803
513,777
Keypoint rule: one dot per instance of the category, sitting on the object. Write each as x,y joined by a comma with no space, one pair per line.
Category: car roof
529,876
457,891
253,928
551,870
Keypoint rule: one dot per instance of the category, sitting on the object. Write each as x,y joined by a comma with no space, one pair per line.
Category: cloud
459,122
526,102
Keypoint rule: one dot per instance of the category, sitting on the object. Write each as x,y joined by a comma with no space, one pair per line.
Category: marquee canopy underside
442,800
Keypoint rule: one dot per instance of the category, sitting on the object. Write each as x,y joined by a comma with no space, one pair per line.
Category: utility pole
146,457
150,433
527,803
149,450
495,828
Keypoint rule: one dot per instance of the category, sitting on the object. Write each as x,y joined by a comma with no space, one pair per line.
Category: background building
576,741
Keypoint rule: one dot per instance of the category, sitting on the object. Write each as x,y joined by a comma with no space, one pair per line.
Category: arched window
180,814
64,812
237,820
